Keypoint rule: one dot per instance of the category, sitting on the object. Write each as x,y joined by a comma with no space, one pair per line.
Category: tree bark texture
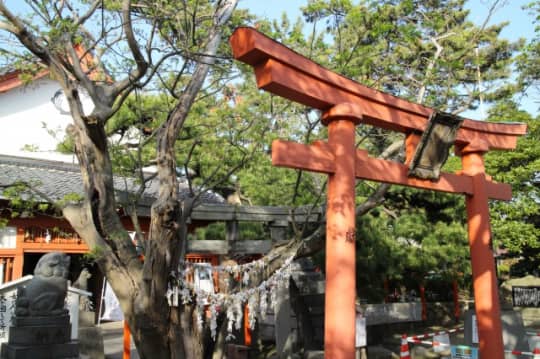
159,331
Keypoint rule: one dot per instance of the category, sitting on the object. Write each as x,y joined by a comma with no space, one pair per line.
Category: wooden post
422,290
18,261
411,142
127,341
278,231
247,329
486,296
455,293
386,287
231,235
284,332
340,294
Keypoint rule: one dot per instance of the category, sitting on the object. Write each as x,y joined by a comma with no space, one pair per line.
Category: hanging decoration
182,291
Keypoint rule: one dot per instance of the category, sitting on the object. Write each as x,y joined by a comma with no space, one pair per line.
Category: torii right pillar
486,296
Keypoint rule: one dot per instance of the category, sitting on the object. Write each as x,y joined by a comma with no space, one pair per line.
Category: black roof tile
57,179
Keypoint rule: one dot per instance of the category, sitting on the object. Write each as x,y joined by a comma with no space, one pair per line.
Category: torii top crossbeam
346,103
286,73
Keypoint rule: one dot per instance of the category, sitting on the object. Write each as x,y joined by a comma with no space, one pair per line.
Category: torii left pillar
340,293
337,158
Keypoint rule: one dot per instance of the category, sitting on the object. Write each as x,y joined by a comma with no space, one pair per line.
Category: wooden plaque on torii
344,104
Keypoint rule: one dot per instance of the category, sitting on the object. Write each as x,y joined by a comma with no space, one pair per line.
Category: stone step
307,276
40,335
49,351
313,300
311,287
37,321
314,354
303,264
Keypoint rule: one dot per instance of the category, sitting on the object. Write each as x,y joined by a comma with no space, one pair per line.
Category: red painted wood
12,80
126,352
319,158
411,141
288,74
423,301
254,48
486,296
396,173
340,291
455,295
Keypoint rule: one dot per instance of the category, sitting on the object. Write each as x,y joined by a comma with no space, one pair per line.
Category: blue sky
520,23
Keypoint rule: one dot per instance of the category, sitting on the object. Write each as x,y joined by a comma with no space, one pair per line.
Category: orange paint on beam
396,173
253,48
288,74
411,142
319,158
280,79
54,247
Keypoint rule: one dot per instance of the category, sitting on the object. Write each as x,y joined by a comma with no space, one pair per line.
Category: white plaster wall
23,113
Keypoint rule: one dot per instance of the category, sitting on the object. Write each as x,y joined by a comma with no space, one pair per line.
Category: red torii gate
346,103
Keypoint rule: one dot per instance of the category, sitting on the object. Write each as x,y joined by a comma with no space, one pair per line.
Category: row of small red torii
344,104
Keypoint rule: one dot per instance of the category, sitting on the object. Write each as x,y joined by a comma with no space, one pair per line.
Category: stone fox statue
45,294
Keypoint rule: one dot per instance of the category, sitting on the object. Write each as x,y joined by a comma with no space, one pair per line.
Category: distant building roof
9,75
9,78
57,179
6,70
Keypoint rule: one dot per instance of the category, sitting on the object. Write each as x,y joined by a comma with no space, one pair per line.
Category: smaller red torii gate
345,104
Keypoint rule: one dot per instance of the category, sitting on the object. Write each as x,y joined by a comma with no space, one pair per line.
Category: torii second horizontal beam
319,157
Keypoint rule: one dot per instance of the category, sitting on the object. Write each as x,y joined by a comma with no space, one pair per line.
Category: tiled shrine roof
56,179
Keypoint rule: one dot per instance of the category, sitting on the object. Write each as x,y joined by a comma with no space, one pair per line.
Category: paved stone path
113,341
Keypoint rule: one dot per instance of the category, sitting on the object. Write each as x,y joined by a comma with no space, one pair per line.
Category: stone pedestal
40,338
90,337
91,343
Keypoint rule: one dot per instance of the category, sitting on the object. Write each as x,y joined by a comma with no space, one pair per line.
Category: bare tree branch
81,20
24,35
439,49
140,61
9,28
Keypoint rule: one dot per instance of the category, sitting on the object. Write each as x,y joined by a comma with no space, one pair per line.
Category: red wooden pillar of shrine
486,296
340,291
126,342
337,158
